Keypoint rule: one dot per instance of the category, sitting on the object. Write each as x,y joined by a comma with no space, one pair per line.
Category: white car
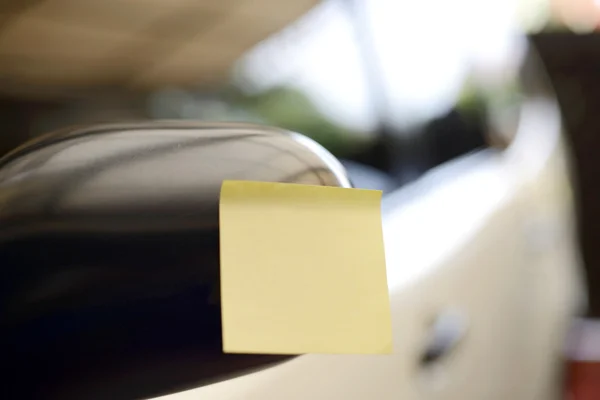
484,279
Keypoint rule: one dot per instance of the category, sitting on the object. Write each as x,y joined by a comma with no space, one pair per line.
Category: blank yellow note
302,270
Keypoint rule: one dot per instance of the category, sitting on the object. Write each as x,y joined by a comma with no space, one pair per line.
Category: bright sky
426,48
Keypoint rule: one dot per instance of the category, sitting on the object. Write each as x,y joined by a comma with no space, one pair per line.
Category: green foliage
290,109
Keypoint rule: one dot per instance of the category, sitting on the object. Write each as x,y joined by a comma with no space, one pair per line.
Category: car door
483,278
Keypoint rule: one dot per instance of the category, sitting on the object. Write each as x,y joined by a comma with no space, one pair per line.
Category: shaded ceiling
132,43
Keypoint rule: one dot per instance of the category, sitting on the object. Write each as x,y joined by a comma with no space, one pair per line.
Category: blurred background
396,86
392,88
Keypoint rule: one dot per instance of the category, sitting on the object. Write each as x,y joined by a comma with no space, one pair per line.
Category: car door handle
445,335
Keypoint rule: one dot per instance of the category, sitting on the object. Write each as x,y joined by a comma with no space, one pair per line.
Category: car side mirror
109,254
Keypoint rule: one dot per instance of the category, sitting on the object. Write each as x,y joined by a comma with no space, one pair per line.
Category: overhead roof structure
132,43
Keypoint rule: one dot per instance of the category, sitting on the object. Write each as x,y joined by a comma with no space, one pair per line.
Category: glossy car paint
109,252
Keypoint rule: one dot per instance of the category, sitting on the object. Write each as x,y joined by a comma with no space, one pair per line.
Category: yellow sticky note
302,270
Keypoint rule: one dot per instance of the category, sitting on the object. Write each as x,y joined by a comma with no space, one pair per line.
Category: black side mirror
109,254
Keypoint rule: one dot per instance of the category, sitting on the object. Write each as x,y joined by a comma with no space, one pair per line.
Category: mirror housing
109,254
